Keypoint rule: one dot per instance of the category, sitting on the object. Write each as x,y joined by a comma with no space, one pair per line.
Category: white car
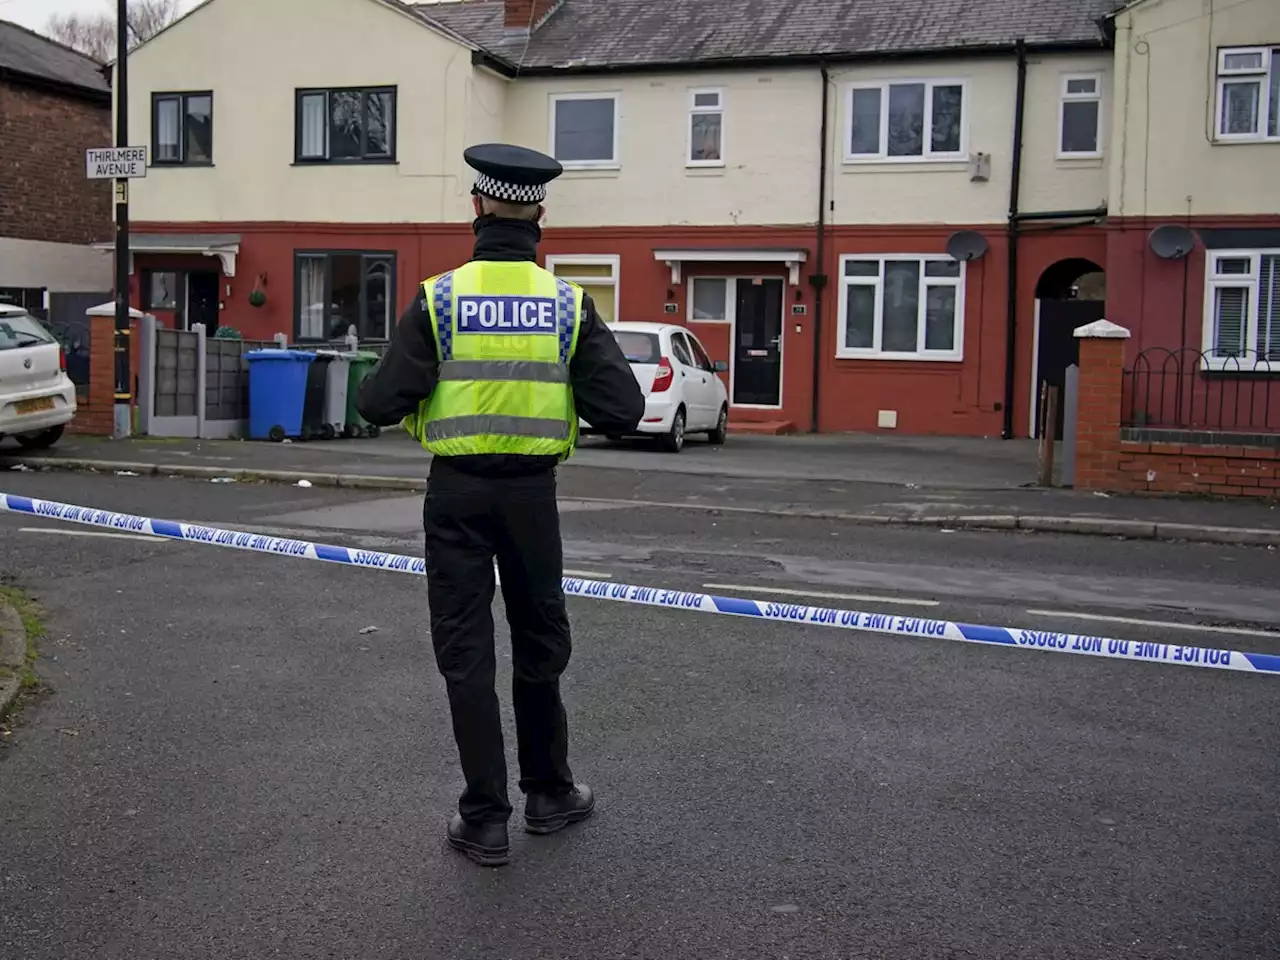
37,398
682,393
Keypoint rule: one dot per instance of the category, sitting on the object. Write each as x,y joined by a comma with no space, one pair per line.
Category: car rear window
639,347
22,330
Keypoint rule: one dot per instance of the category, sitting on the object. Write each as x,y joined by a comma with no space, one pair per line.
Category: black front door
202,300
1059,347
757,346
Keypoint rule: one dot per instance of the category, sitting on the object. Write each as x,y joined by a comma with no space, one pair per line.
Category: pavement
946,482
232,763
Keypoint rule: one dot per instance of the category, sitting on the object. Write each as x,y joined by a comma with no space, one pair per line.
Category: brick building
54,104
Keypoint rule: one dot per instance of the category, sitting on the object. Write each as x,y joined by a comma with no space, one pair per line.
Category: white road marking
94,533
1202,628
860,597
588,574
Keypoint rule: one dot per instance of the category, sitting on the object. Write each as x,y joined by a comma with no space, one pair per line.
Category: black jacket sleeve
407,372
605,390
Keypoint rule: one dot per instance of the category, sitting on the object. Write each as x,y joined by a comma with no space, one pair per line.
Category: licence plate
34,406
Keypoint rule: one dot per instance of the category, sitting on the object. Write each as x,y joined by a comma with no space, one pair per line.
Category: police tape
881,623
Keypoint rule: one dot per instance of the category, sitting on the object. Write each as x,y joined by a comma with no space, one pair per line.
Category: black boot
547,813
485,843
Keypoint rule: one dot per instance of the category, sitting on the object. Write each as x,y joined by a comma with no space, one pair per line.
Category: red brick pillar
1099,401
96,412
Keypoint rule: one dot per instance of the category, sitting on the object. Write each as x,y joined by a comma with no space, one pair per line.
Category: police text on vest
489,314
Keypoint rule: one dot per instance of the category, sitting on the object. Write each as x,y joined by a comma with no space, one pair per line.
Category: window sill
1224,140
346,163
1080,160
901,357
585,171
170,165
915,164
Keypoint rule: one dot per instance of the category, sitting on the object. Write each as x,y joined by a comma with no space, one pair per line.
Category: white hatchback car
682,393
37,398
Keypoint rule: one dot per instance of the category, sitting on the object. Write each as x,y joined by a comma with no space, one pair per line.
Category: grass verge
29,613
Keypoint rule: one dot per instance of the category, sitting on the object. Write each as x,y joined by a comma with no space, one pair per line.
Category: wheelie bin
335,393
313,406
277,392
361,365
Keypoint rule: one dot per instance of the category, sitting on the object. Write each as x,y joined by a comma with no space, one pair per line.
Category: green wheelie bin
362,363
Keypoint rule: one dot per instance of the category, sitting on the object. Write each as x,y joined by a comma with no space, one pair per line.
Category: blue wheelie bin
277,392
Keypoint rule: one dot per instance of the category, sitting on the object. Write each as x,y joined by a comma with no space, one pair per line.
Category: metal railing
1187,389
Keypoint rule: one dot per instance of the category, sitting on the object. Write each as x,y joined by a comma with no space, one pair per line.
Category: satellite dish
966,245
1171,241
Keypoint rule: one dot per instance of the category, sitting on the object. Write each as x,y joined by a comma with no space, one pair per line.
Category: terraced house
883,214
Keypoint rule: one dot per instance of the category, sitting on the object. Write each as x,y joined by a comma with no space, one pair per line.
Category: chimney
521,17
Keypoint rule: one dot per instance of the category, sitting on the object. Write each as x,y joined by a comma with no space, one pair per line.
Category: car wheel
721,431
276,434
42,440
673,440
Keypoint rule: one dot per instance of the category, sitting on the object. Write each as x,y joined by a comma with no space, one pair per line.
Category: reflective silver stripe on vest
454,428
537,371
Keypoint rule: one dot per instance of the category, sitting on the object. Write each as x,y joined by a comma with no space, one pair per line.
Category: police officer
490,368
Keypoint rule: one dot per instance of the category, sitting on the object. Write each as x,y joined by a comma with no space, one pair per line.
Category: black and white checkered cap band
512,192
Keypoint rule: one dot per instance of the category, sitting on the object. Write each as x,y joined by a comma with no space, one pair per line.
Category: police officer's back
490,368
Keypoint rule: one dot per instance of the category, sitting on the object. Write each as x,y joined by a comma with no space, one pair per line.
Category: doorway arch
1070,293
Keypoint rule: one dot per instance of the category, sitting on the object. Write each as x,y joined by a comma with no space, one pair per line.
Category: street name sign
113,163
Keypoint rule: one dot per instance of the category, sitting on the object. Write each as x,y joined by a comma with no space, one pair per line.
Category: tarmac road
227,766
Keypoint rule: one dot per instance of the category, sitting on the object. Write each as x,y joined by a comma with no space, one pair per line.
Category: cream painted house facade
699,186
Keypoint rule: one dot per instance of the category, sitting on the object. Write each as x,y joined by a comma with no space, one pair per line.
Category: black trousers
471,520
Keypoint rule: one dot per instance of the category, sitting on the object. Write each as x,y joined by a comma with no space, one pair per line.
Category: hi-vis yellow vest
505,333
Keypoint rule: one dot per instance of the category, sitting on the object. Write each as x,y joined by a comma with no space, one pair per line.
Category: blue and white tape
882,623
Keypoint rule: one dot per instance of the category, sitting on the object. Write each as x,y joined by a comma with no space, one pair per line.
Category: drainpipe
818,280
1011,231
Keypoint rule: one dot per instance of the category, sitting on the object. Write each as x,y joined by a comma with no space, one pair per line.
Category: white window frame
1252,281
730,301
874,352
927,154
591,259
1065,97
1262,75
614,163
696,111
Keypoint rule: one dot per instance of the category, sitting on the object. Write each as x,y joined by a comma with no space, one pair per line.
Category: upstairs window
346,125
584,130
905,120
182,129
1242,309
706,129
1249,93
1080,116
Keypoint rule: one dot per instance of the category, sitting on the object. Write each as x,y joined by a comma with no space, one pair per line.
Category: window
160,289
348,125
1242,308
1249,93
680,347
901,307
182,129
709,299
908,120
584,130
597,274
1080,116
335,291
706,129
700,357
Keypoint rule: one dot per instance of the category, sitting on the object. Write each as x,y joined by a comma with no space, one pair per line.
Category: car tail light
662,379
62,359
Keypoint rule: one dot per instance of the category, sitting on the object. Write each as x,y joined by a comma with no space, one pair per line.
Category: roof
622,34
28,55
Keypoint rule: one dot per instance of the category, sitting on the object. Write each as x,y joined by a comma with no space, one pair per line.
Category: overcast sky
36,13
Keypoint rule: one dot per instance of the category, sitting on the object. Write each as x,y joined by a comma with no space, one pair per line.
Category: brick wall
1187,468
96,412
1106,461
44,194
